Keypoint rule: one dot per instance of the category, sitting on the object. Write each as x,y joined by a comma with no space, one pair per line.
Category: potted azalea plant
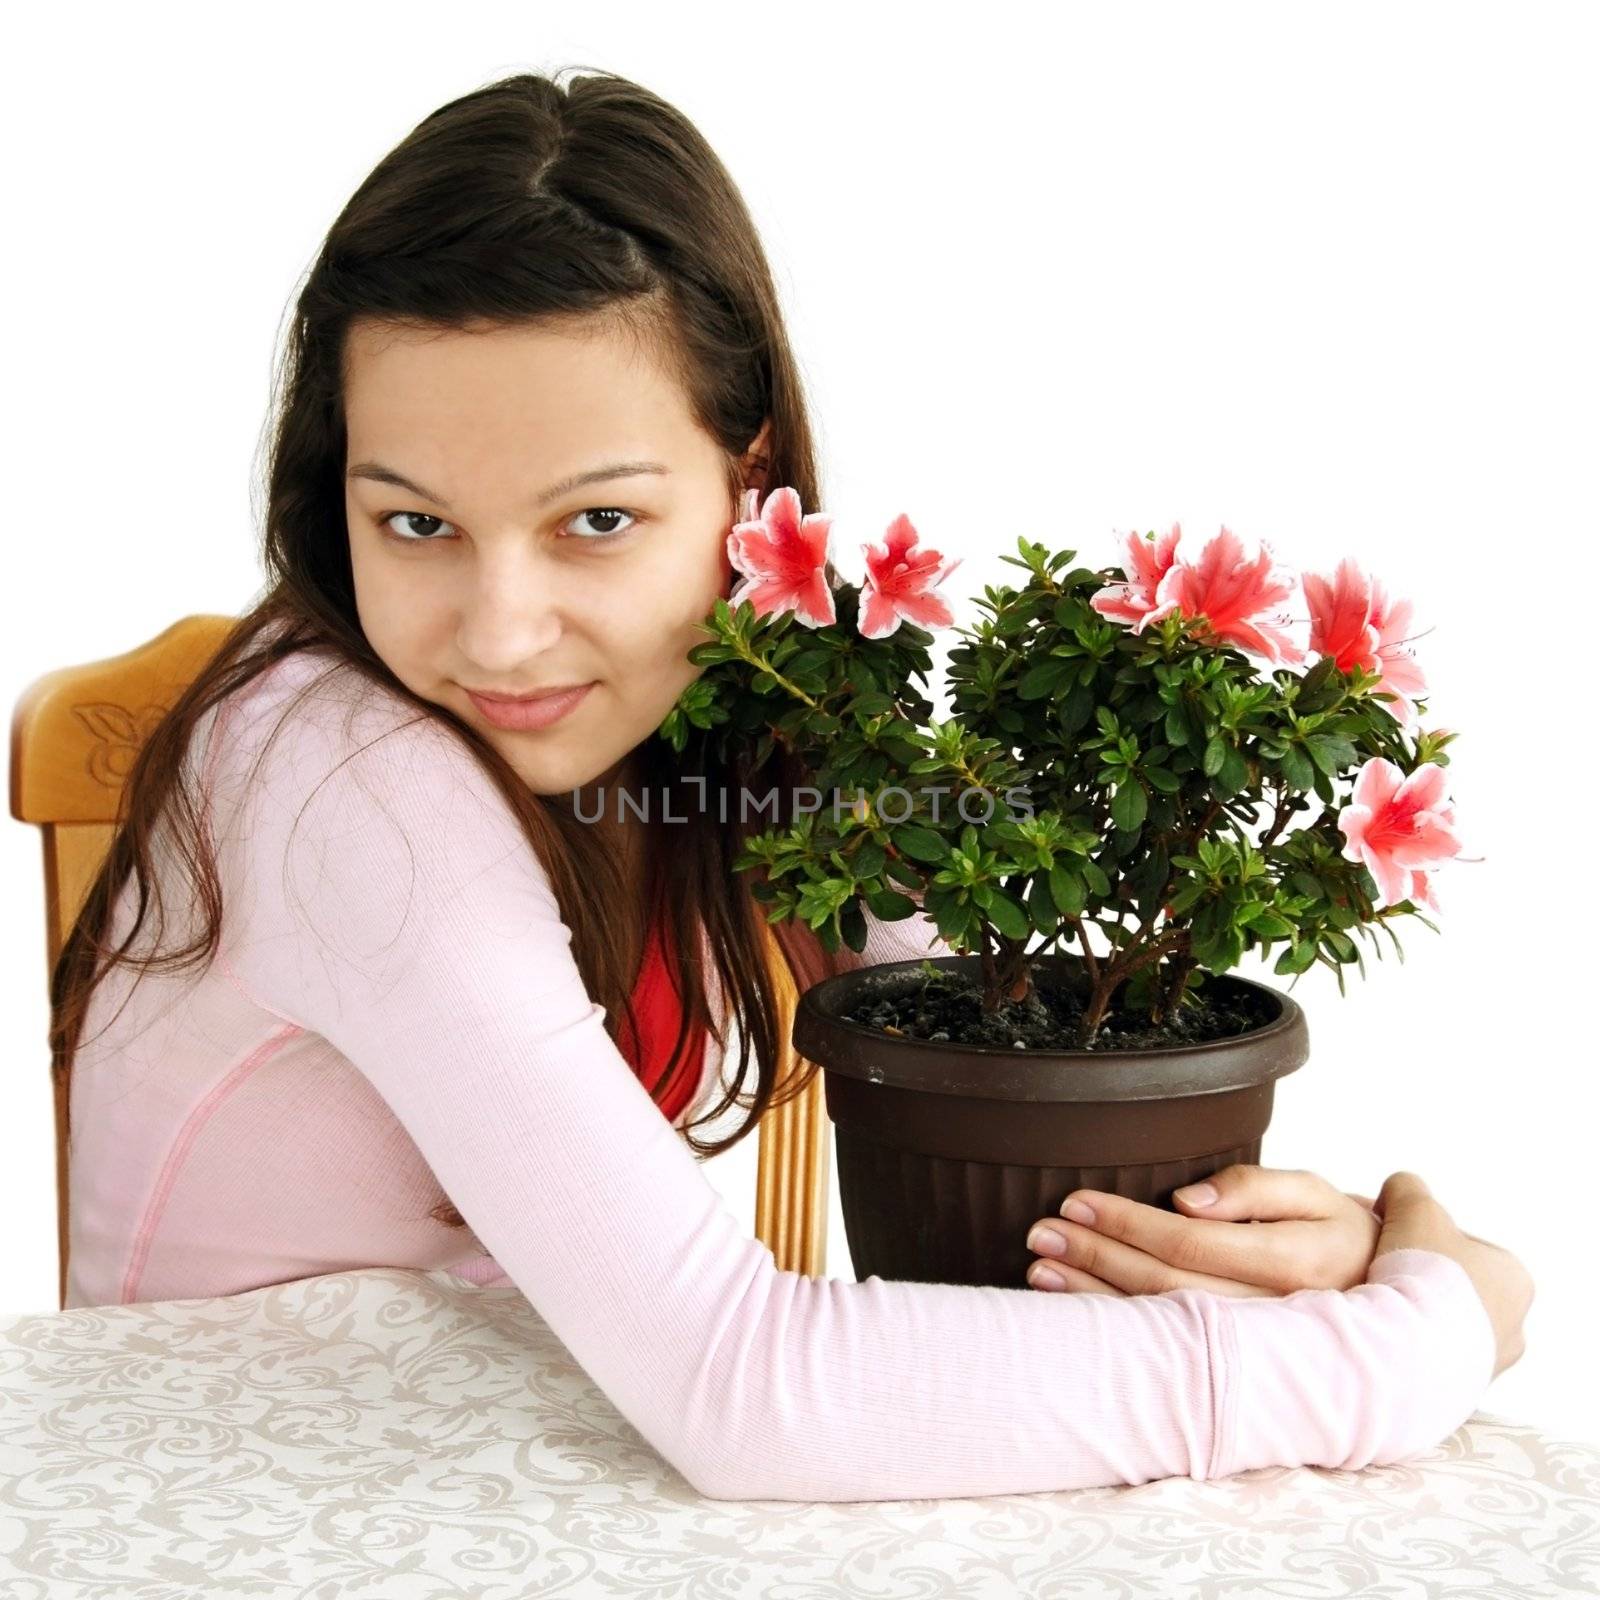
1147,774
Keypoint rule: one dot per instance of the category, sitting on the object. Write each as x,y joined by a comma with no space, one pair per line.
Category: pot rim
1241,1060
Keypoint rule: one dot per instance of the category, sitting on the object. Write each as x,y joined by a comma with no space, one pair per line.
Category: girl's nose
500,629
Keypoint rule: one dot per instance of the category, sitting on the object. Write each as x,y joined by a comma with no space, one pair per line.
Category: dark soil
949,1007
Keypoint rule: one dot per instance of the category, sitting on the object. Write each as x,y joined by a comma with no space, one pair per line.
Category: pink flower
783,557
902,574
1354,621
1422,889
1397,825
1234,593
1144,569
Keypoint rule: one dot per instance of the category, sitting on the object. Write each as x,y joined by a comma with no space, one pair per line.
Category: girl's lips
524,716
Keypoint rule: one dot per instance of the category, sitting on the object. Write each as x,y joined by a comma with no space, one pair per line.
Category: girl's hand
1313,1236
1412,1218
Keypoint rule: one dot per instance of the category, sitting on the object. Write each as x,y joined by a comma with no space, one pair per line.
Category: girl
533,370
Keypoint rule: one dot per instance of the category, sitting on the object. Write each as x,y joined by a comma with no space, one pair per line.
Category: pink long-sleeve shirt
395,1015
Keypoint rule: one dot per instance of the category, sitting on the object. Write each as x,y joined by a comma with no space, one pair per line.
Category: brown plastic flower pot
948,1153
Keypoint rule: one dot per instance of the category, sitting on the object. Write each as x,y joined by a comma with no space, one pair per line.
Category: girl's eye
612,531
595,536
409,538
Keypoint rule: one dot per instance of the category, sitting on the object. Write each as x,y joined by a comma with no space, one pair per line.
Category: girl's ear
757,459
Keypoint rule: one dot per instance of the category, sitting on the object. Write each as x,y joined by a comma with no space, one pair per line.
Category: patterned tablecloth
391,1434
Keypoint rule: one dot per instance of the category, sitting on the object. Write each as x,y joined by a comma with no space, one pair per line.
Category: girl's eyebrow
379,473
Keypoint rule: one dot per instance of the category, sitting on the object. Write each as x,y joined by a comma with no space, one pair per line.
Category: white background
1326,274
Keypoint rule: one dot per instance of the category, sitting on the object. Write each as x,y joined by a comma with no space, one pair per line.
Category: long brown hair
525,199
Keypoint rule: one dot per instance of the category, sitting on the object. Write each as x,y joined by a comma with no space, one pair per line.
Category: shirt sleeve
907,939
379,892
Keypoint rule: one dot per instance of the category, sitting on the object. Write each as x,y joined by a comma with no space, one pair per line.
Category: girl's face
480,564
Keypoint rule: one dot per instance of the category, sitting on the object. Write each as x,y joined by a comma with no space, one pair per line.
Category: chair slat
792,1160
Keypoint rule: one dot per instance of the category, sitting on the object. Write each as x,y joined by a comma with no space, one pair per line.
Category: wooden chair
74,735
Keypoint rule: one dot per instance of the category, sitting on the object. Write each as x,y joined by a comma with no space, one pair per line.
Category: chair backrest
74,735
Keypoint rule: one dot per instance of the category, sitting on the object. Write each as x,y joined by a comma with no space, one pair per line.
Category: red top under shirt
660,1008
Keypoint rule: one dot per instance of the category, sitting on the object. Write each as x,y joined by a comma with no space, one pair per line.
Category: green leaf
806,661
1216,754
1186,897
903,872
1075,708
1129,805
1008,915
921,844
710,655
1042,906
1296,768
872,703
1330,753
1297,957
889,906
1067,890
1160,778
1235,772
950,917
1043,678
868,859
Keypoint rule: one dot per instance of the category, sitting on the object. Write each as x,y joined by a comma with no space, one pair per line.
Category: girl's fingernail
1047,1278
1197,1194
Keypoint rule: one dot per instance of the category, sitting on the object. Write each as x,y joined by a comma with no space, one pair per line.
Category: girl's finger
1132,1271
1248,1192
1270,1256
1073,1281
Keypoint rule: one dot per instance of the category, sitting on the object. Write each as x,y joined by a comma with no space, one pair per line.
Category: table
394,1433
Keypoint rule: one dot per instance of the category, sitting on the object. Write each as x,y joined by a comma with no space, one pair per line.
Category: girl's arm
379,892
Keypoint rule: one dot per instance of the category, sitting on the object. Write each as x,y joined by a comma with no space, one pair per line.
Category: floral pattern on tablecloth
394,1433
